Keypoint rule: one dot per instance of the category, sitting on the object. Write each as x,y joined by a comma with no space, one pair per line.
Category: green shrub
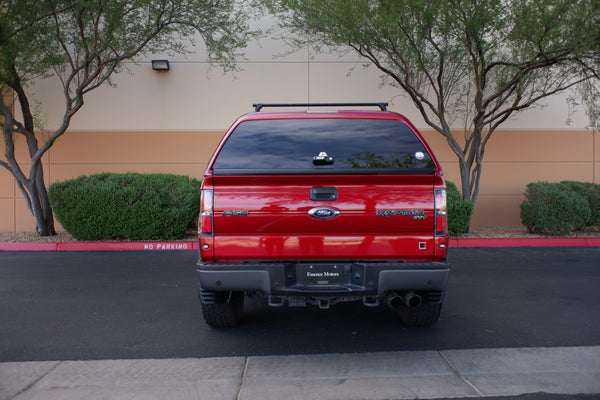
591,191
553,209
126,206
459,210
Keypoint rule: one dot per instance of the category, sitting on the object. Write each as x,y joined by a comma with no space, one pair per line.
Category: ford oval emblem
324,212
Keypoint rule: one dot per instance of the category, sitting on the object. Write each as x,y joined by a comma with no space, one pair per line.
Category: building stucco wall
172,121
515,158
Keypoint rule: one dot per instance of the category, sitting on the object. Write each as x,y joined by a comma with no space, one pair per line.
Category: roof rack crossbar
259,106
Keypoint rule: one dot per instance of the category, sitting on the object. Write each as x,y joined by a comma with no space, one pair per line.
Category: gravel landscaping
14,237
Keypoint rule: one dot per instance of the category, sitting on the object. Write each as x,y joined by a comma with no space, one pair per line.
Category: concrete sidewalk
372,376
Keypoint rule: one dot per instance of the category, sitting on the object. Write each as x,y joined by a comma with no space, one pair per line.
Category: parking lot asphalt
528,373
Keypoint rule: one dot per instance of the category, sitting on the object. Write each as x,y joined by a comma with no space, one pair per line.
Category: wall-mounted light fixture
160,65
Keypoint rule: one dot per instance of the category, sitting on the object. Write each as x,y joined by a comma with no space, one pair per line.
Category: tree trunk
34,189
36,198
466,184
44,220
470,160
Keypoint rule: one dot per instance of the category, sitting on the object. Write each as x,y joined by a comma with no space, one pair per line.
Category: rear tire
425,314
222,309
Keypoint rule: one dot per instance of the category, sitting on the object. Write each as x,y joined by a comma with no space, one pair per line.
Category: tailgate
323,217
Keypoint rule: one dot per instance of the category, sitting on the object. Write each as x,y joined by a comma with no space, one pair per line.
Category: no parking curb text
168,246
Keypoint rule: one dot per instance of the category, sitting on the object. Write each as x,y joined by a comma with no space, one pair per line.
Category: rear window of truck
323,146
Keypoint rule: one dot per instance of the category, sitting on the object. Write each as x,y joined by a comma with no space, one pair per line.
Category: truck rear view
322,207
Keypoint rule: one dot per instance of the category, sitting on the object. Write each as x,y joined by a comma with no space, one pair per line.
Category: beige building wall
171,122
515,157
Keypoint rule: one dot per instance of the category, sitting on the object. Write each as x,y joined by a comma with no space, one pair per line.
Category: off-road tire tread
224,314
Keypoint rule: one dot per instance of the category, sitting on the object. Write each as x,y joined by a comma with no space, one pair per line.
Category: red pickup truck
318,207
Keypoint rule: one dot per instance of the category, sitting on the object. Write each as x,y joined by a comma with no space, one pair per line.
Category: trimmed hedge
591,191
459,210
555,209
128,206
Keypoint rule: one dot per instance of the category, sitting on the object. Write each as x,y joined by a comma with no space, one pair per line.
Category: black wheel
425,314
222,309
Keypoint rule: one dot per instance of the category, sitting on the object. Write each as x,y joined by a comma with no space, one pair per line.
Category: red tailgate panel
237,248
380,216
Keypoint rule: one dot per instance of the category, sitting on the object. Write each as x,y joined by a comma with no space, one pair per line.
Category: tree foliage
82,43
470,64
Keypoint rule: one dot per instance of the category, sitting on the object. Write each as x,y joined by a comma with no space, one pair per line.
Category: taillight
441,222
206,212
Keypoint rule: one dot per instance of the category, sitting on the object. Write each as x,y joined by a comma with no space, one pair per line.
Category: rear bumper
360,278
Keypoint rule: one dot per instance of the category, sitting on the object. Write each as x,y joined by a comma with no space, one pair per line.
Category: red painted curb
593,242
526,242
25,246
100,246
193,245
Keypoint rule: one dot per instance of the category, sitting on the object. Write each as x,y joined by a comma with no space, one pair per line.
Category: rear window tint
323,145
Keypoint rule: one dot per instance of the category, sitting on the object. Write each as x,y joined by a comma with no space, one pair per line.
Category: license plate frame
322,275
